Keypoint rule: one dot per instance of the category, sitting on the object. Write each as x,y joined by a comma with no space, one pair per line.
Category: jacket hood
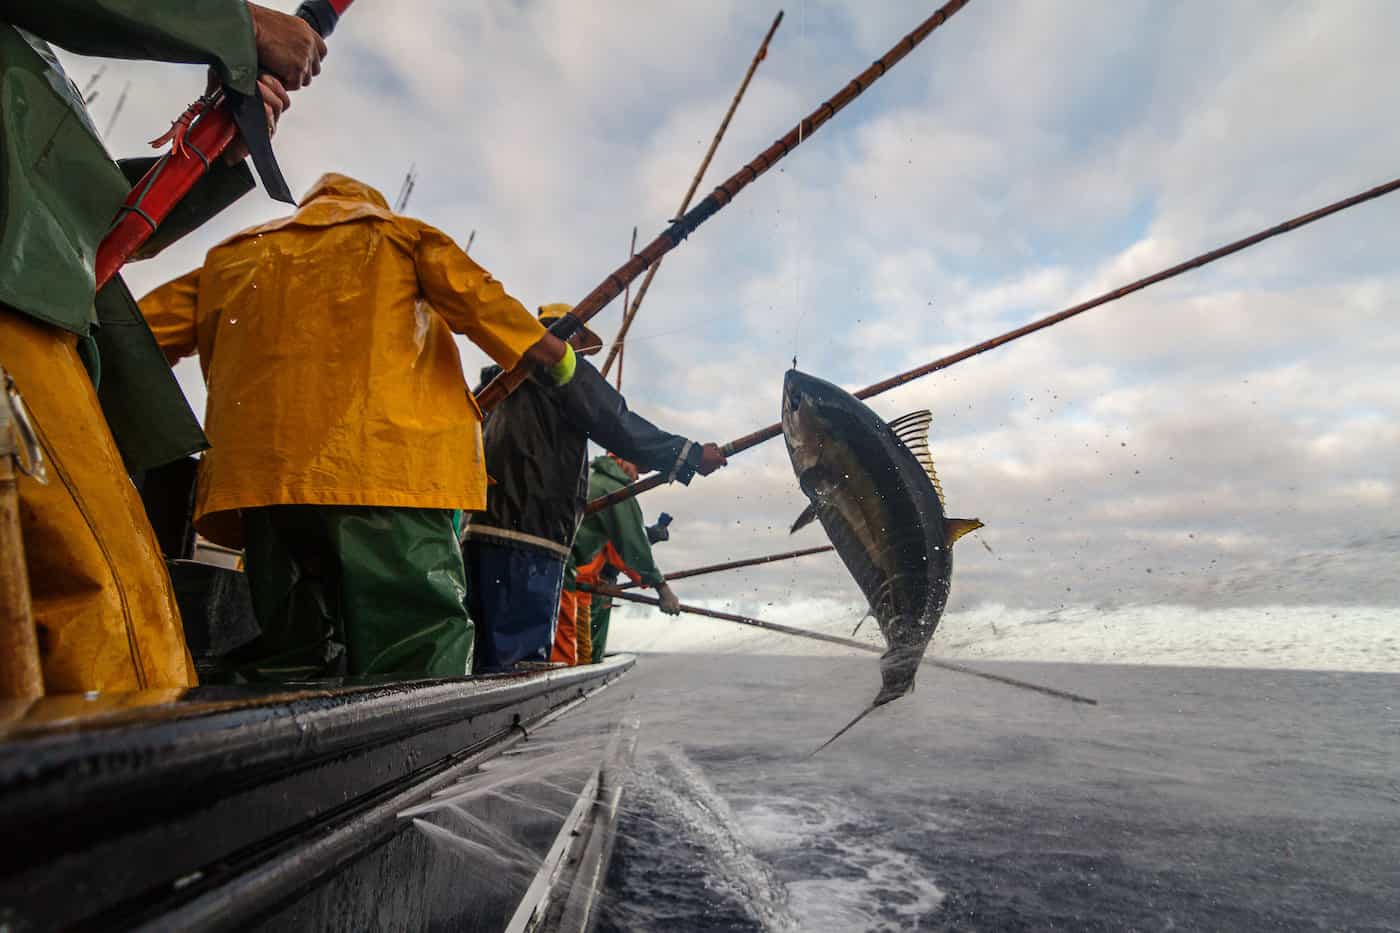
343,188
606,464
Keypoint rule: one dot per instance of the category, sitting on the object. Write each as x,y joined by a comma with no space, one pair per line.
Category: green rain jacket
621,524
60,191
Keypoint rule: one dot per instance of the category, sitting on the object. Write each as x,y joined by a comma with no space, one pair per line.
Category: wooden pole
21,674
629,312
117,110
837,640
741,444
736,564
410,181
619,347
682,227
90,91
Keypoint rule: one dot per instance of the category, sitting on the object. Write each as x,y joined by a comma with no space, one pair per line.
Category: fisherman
618,536
344,434
537,453
601,607
96,388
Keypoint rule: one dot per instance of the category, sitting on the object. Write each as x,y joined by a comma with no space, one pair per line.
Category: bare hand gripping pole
681,228
773,430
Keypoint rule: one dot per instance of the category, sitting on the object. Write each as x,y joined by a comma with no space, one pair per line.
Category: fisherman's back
344,435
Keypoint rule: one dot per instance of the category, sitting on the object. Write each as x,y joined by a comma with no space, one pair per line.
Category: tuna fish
873,487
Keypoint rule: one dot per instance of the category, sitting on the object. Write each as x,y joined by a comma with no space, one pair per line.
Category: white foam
855,882
1347,638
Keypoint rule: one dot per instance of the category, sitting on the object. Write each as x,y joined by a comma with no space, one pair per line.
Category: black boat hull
223,811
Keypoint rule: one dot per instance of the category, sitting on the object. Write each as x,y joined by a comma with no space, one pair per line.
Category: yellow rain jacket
326,344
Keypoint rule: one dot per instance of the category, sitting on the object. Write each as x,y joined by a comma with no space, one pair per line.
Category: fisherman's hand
711,459
287,46
670,602
275,102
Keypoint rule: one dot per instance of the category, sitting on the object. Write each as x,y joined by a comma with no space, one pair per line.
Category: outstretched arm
602,412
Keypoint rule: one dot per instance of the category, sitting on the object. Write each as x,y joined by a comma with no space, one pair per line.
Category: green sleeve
220,187
208,32
628,533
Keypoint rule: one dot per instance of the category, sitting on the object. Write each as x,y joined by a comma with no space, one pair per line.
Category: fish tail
847,727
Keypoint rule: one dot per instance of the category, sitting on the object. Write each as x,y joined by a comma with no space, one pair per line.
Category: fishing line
657,336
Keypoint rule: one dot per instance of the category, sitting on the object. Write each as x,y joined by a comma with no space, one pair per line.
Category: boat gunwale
253,742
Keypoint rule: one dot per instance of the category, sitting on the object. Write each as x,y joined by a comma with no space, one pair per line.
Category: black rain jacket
536,445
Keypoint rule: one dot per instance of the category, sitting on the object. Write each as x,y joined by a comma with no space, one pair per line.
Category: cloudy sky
1227,439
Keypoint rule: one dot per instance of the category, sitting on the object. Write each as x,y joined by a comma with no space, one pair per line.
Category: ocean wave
1343,638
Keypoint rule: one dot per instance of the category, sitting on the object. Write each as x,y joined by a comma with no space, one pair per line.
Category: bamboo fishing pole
629,312
616,593
736,564
773,430
682,227
618,345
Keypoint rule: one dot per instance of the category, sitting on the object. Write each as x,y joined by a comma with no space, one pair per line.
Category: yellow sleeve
471,301
170,312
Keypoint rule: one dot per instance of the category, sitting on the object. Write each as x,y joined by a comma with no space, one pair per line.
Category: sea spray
501,818
672,803
537,766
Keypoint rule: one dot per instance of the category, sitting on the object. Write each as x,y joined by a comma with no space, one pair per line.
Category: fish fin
912,431
955,528
847,727
805,519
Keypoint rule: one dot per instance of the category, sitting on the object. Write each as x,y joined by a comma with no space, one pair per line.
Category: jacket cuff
687,462
237,56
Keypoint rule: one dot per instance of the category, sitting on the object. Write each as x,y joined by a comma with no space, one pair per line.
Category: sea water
1190,798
